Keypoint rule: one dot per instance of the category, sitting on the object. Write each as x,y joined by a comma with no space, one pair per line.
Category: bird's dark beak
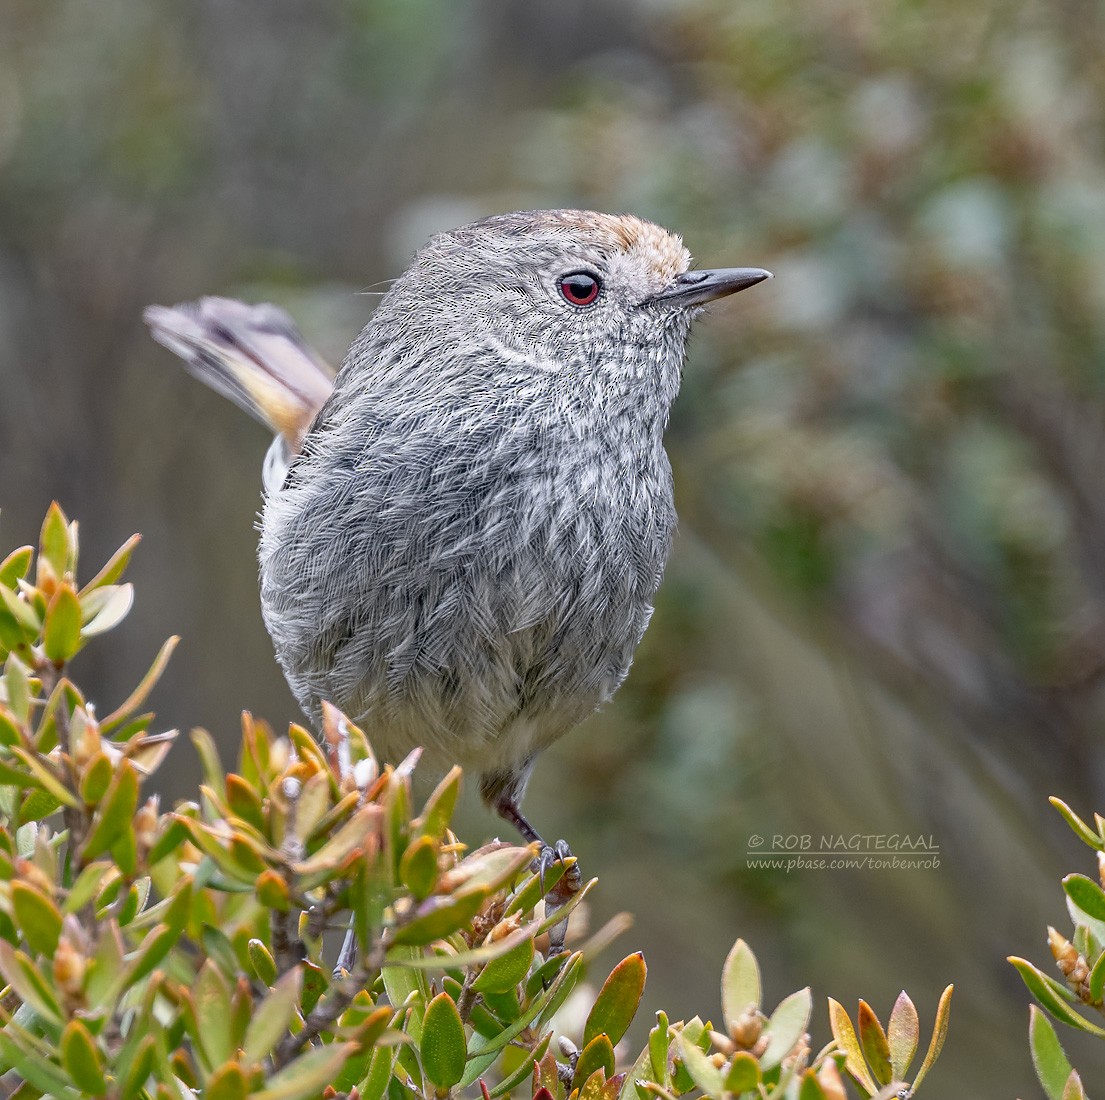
695,288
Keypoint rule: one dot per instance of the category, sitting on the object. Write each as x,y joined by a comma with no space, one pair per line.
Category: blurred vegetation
886,611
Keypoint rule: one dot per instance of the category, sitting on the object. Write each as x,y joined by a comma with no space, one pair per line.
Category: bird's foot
562,892
501,791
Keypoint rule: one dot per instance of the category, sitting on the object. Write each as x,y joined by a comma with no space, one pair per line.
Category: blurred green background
886,608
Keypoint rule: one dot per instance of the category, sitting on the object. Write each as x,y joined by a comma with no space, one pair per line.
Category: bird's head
553,288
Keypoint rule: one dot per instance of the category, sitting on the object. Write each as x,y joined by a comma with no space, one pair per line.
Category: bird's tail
254,355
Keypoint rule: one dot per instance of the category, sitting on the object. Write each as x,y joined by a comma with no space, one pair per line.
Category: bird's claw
569,884
548,855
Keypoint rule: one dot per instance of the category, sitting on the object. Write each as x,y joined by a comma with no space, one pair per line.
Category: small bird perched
464,530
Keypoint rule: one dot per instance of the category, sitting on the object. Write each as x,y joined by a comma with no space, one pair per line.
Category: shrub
184,953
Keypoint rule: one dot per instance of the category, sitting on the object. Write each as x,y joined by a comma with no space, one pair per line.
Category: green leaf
115,565
617,1002
87,886
703,1072
10,733
810,1088
740,983
242,1005
12,635
375,1082
157,944
525,1069
743,1074
96,779
228,1082
418,867
28,984
124,850
37,806
786,1026
438,917
272,891
107,969
534,888
212,999
15,777
369,1031
561,989
62,632
173,833
903,1034
41,774
872,1039
22,611
38,918
264,965
219,949
142,691
273,1017
81,1059
940,1031
53,540
1097,979
596,1055
17,684
1081,829
403,979
34,1068
845,1037
403,956
1087,895
208,753
245,802
1052,1067
638,1074
141,1063
135,900
1089,932
659,1043
315,983
15,566
331,857
308,1075
545,1003
490,870
116,812
438,811
443,1046
1052,996
504,973
560,915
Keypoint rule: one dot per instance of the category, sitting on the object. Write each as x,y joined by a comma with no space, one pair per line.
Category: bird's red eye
580,288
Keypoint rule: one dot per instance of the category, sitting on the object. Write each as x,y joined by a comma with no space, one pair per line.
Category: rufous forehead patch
660,252
631,244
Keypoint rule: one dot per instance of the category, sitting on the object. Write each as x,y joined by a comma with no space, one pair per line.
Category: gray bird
463,531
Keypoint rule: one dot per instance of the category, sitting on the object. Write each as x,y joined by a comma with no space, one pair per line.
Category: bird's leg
505,804
347,957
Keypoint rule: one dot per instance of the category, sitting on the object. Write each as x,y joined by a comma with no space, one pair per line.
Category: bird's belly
482,650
